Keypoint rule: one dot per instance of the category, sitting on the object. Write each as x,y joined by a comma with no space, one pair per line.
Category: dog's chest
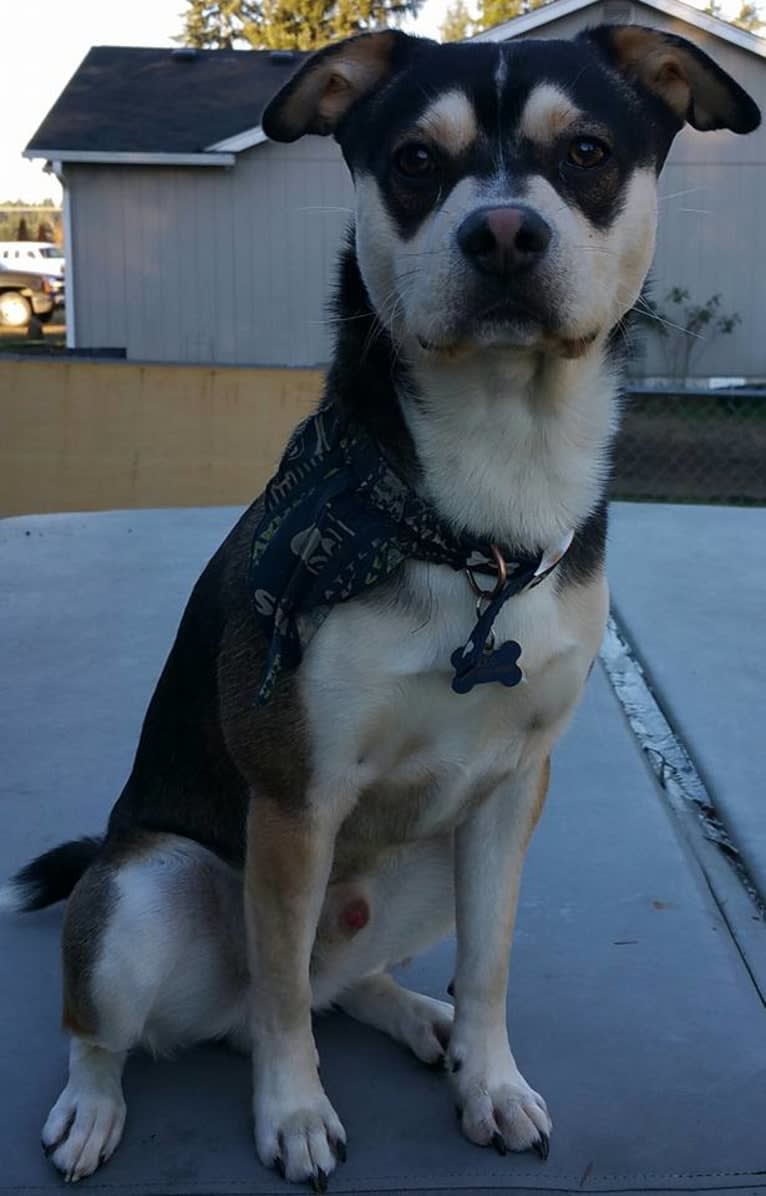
389,736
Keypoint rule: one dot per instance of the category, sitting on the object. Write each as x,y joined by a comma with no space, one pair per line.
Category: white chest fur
388,732
516,447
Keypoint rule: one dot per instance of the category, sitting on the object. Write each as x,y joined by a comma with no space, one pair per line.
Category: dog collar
479,661
337,519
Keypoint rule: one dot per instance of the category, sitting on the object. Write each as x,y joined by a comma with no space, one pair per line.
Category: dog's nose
504,240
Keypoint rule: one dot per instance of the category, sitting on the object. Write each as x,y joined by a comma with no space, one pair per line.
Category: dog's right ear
331,81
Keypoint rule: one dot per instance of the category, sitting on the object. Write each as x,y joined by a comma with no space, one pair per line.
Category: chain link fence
692,445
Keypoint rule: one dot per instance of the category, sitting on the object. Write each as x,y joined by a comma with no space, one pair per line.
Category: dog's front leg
289,856
496,1105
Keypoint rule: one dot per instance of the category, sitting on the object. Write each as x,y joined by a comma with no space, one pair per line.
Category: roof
161,104
201,107
530,21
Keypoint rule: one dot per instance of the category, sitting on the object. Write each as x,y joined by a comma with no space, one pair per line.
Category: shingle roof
135,100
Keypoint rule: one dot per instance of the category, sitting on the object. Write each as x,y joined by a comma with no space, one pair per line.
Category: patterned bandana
337,520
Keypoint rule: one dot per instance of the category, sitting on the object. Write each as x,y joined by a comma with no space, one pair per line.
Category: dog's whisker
321,208
678,194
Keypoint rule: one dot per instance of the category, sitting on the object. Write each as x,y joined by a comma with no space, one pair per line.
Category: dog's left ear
331,81
680,74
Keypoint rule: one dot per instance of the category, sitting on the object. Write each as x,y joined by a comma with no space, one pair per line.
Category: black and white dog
345,755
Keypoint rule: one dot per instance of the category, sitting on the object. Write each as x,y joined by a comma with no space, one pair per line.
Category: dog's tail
49,878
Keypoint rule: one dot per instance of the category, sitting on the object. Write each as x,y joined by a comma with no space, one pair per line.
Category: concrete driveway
637,995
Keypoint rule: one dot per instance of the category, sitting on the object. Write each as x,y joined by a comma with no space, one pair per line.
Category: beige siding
211,265
712,232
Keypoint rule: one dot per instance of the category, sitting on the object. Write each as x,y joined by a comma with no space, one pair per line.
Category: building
191,238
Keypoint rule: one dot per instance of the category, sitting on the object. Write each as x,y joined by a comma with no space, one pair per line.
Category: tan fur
542,792
547,114
450,121
645,54
332,84
287,860
86,917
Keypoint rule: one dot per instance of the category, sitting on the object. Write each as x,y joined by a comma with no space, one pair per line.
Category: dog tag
474,666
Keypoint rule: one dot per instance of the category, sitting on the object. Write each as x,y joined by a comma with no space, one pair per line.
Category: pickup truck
23,294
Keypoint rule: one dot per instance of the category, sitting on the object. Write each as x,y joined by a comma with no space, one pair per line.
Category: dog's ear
680,74
331,81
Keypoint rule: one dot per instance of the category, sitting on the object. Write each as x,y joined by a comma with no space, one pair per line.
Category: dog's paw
304,1141
82,1131
497,1107
425,1026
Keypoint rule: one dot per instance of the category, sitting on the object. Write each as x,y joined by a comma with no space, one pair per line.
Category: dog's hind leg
153,952
421,1023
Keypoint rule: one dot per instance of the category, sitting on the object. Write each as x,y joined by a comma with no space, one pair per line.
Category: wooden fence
96,435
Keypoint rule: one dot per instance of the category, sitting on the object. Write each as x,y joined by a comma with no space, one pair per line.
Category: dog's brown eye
586,152
415,160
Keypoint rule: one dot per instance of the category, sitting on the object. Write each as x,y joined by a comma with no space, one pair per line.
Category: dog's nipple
355,915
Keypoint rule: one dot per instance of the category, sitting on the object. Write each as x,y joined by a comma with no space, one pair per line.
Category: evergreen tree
23,233
458,23
496,12
285,24
748,18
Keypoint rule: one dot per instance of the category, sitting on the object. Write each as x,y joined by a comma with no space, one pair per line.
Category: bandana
337,520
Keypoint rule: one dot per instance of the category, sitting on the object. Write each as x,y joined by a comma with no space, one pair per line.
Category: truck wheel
15,310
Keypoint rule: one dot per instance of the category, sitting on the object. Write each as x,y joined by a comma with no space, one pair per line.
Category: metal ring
502,576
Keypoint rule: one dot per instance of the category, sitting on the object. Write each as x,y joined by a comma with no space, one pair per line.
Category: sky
38,57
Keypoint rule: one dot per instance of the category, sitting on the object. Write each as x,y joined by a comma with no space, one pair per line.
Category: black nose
504,240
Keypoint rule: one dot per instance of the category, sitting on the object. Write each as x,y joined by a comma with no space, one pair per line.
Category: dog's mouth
504,322
508,324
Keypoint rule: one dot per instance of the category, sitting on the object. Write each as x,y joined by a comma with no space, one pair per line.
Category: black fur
52,876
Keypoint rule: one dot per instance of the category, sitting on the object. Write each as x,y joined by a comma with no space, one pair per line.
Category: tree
496,12
458,23
45,231
285,24
748,18
23,233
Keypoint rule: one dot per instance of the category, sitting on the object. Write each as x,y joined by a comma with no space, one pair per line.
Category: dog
349,746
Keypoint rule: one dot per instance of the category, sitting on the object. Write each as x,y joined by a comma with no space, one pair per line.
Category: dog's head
506,193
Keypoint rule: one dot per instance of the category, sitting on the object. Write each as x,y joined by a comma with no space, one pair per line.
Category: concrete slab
689,590
631,1009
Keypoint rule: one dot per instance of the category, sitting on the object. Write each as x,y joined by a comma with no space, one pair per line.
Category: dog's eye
586,152
415,160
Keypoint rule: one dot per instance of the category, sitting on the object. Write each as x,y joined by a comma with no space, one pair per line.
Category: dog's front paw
496,1105
302,1138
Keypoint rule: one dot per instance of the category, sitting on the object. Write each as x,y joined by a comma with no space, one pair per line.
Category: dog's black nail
543,1146
319,1181
456,1065
437,1064
451,988
498,1141
279,1165
341,1151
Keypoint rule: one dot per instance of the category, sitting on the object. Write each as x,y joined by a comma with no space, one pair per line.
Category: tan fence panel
89,436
